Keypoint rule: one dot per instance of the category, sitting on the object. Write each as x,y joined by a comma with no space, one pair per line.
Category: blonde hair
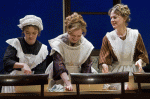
75,22
121,9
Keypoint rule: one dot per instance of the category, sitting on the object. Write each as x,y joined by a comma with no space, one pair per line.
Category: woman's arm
60,71
140,50
58,66
10,59
86,66
105,56
11,62
140,55
40,68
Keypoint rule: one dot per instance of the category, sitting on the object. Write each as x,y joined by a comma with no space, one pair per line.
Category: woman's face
117,21
75,36
30,35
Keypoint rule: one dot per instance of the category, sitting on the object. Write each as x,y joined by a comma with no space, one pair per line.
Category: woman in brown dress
123,48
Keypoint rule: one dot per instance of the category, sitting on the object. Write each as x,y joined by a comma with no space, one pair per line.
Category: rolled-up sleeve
58,66
86,66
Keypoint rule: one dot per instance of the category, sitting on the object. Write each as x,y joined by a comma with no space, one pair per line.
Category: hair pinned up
121,9
75,22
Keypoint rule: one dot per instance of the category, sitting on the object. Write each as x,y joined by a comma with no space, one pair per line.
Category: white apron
124,50
31,60
73,57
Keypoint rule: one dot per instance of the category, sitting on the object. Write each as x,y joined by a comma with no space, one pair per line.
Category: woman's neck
121,32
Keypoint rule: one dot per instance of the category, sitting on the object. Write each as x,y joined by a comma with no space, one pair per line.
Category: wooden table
88,91
85,93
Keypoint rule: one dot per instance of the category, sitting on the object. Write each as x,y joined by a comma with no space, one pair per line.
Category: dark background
51,12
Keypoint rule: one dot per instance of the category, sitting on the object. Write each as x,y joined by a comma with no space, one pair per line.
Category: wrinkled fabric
57,88
31,20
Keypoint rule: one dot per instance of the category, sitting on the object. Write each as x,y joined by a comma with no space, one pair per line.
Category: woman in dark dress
25,55
71,53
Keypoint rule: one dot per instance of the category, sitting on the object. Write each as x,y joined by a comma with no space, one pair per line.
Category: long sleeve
58,66
140,50
86,66
10,58
40,68
106,53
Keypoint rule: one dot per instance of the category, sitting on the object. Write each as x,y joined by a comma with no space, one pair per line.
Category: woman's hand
105,68
26,69
69,86
65,78
139,64
126,87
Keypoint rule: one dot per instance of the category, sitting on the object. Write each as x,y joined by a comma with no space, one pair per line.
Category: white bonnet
31,20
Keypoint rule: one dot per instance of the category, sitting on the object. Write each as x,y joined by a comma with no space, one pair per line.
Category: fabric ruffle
31,20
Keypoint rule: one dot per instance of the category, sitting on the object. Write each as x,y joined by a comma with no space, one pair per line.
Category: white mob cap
31,20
